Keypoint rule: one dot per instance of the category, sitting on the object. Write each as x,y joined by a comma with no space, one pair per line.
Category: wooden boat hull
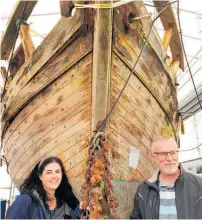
50,106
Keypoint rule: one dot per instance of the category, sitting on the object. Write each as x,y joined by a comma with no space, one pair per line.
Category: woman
46,194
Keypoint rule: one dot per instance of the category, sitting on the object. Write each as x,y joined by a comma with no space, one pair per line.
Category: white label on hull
133,157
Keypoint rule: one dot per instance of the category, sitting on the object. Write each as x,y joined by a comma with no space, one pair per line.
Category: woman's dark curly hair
63,193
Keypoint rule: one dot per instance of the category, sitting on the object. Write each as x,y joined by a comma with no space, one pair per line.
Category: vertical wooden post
26,40
17,61
3,73
175,66
101,63
66,8
167,38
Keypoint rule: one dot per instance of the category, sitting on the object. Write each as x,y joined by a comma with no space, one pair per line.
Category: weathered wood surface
101,64
76,114
56,106
150,73
26,40
28,135
58,97
168,20
3,73
51,72
17,61
65,149
8,37
167,38
61,145
65,98
143,97
60,34
138,29
122,146
55,111
149,67
66,7
132,105
25,117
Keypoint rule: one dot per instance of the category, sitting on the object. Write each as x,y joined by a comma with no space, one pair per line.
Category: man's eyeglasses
165,154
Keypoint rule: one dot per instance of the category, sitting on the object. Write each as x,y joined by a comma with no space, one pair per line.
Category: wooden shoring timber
26,40
3,73
167,38
168,20
66,7
175,66
101,64
53,42
29,112
17,61
8,37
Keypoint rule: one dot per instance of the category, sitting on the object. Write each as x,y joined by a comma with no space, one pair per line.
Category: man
171,193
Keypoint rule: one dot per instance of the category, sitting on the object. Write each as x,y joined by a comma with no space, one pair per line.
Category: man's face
165,156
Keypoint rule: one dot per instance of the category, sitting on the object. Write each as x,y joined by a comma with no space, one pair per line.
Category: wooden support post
17,61
8,37
169,21
3,73
66,8
101,64
166,38
175,66
168,60
27,43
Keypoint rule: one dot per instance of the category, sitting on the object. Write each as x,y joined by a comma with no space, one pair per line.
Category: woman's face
51,176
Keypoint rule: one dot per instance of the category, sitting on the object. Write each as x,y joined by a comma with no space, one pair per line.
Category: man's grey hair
158,138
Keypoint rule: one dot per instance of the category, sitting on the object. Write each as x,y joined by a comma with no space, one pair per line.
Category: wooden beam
175,66
168,21
166,38
26,40
8,37
66,8
17,61
101,64
3,73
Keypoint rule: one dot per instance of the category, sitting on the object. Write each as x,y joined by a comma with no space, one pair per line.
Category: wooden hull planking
53,102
